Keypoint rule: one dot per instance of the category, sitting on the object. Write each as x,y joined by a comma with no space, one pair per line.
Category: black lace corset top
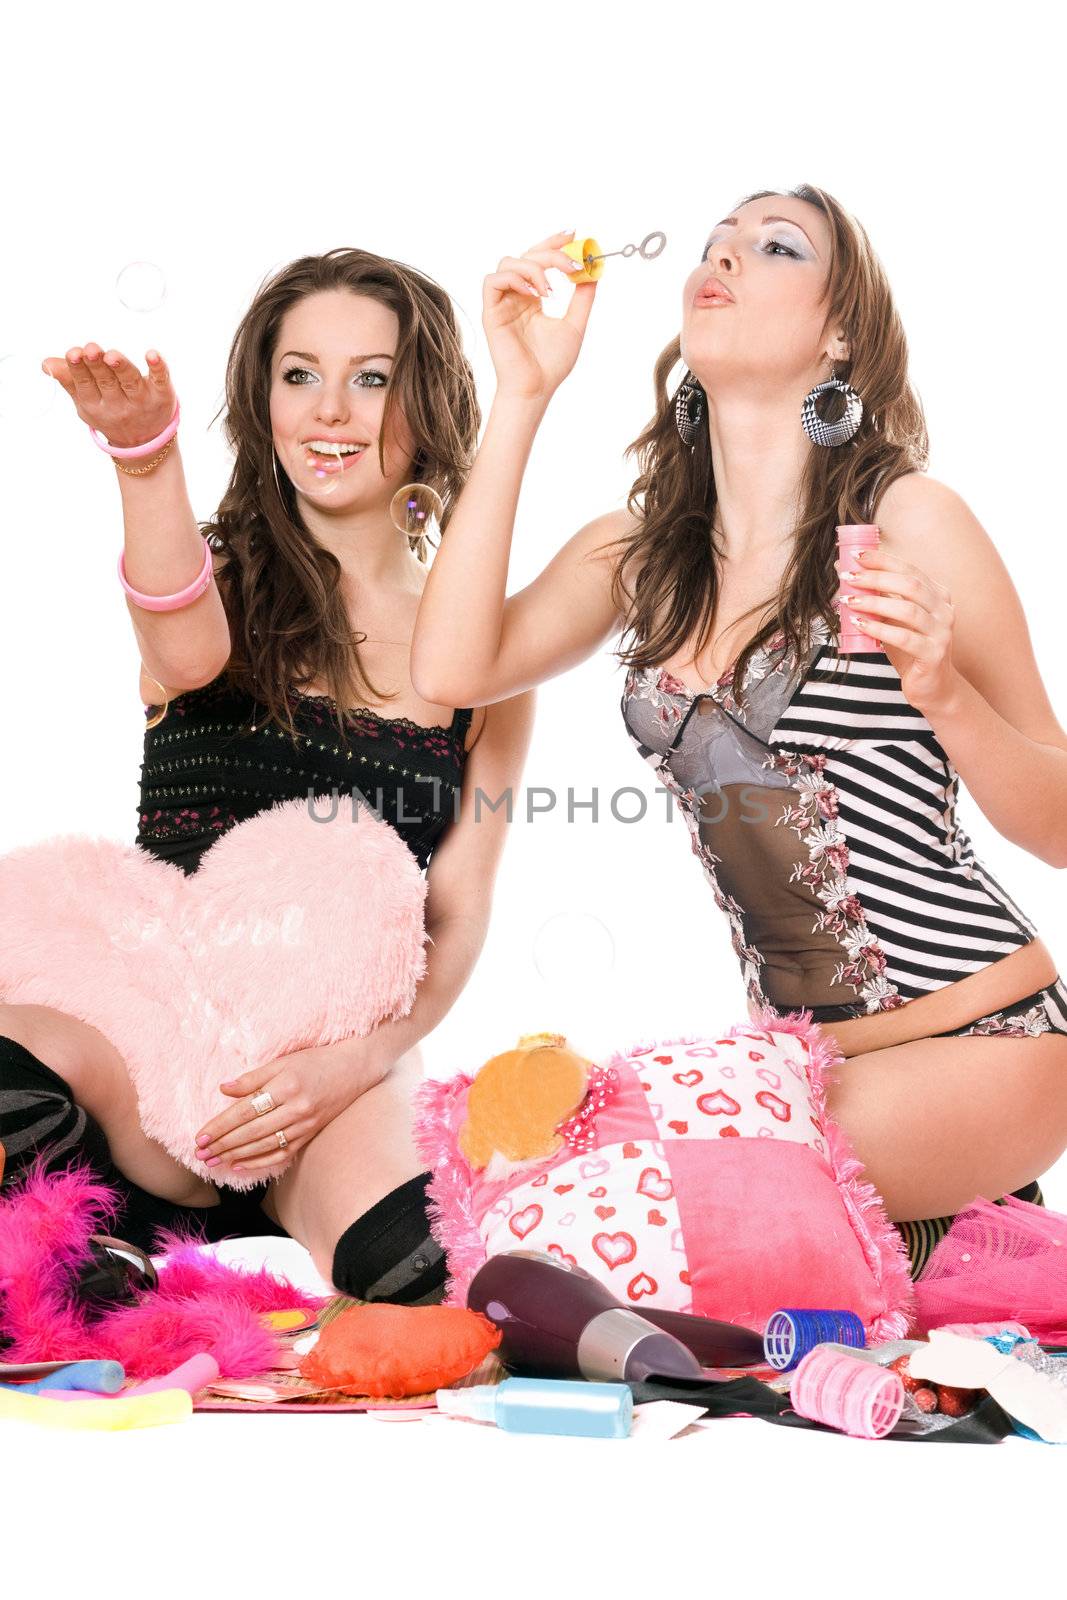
216,759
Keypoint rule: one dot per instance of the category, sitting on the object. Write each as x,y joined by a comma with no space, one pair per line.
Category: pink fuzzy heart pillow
292,933
702,1174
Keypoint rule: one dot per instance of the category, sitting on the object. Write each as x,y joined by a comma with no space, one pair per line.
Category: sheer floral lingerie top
824,818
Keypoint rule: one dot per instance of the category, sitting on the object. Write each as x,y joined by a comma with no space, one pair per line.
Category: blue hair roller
790,1334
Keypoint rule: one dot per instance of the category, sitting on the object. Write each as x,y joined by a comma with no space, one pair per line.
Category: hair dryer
560,1321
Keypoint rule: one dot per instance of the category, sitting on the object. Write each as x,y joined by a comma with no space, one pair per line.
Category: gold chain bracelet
139,472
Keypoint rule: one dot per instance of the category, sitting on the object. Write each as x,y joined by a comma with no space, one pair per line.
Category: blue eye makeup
296,376
770,247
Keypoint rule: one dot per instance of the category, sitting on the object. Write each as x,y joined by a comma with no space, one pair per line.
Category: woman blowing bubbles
346,383
853,892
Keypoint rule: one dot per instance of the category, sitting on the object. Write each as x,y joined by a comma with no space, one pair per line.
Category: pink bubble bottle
852,537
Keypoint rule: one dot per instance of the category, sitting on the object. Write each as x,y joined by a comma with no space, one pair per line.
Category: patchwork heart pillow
293,932
704,1175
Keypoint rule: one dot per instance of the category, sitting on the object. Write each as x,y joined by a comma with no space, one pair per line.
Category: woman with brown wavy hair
347,395
861,900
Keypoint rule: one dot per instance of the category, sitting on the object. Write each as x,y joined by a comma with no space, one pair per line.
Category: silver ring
283,1142
262,1102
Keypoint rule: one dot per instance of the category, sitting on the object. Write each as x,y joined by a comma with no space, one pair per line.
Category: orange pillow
399,1350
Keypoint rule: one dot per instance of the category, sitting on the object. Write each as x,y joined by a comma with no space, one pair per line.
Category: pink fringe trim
449,1207
882,1245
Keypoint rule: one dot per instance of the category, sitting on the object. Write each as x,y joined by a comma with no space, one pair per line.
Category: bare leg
98,1079
938,1121
356,1159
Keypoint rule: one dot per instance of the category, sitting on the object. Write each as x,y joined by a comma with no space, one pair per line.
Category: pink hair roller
192,1376
855,1396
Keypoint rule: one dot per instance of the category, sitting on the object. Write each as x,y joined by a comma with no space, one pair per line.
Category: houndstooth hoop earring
689,409
831,433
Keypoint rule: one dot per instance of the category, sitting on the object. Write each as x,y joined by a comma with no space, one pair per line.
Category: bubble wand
588,252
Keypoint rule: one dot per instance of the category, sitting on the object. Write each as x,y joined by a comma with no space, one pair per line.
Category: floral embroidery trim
814,821
1026,1024
363,721
185,821
826,871
663,690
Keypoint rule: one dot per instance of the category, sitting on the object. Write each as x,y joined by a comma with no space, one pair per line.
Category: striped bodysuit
824,816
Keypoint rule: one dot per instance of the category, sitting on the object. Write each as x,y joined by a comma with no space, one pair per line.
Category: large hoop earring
831,433
689,408
277,480
153,722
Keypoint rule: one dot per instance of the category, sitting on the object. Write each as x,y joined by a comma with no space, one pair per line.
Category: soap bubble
317,475
573,950
26,390
416,509
141,286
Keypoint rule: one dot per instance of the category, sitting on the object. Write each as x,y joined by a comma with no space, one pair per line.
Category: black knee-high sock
39,1115
389,1252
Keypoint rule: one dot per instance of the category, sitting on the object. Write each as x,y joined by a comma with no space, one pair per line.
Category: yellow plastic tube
135,1411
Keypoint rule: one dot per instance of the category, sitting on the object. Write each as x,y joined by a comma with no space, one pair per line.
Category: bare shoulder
932,530
604,531
926,522
914,500
606,537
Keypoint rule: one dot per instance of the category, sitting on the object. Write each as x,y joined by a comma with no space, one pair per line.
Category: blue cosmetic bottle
545,1405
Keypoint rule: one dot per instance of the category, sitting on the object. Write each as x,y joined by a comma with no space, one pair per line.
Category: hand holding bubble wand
533,353
589,253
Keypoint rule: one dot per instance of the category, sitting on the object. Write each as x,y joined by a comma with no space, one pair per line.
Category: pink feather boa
201,1304
292,933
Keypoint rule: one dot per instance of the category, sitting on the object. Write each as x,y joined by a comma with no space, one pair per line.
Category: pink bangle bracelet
134,451
169,602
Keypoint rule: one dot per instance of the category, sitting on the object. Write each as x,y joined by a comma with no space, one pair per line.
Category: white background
221,141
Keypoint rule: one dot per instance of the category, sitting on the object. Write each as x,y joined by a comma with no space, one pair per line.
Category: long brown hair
280,587
676,586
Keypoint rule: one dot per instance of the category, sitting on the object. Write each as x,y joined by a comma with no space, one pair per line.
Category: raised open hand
110,394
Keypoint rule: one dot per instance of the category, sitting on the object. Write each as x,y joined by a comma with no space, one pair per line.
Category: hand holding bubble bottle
851,539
